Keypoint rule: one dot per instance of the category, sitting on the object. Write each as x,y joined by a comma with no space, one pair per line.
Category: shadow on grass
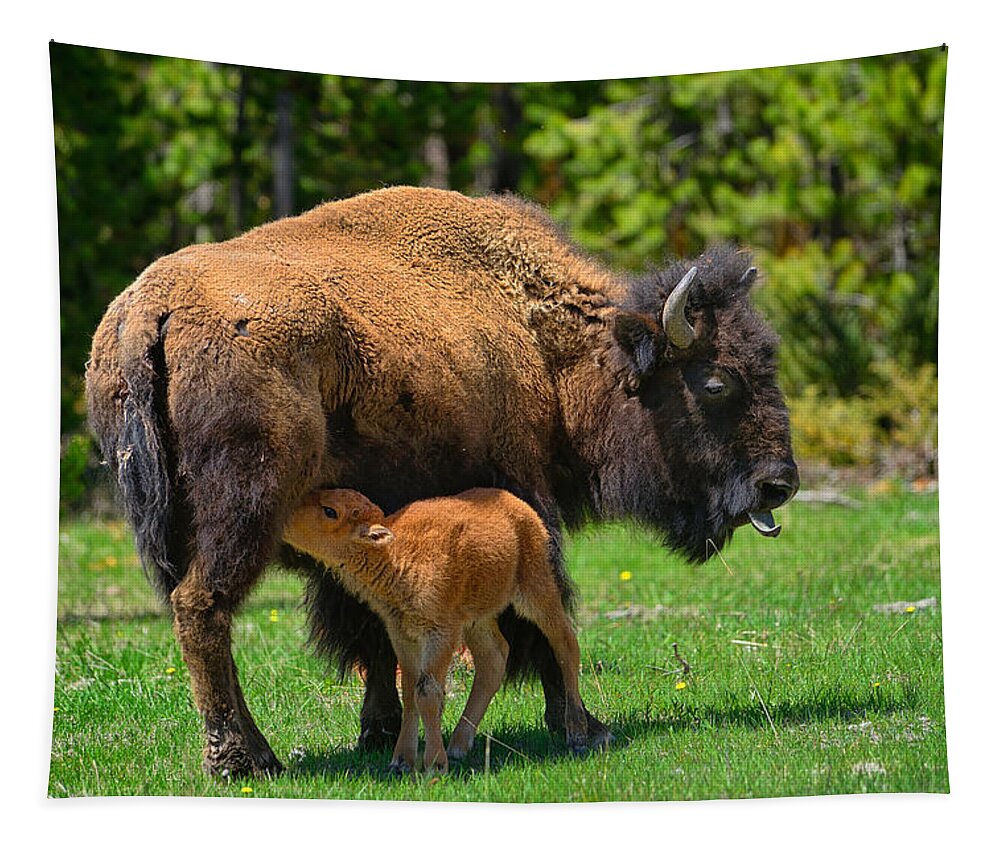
833,706
519,744
77,618
160,611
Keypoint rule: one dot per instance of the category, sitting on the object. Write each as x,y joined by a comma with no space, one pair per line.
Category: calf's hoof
598,735
577,742
458,752
461,741
555,718
438,766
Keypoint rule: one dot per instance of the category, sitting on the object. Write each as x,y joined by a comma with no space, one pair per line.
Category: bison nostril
776,492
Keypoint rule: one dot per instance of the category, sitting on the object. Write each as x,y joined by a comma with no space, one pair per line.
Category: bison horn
749,276
679,331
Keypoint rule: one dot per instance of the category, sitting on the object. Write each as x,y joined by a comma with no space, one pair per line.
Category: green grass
796,685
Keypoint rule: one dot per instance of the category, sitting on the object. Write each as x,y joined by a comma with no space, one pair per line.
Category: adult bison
410,343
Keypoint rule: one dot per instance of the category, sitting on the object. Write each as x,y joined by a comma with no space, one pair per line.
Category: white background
501,41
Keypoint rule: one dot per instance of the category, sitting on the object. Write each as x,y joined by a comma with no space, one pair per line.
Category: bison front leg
203,623
345,629
381,713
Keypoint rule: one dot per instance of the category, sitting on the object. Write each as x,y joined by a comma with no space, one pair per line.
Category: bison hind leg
244,473
530,654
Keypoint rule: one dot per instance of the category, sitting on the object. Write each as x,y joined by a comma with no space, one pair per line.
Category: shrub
889,428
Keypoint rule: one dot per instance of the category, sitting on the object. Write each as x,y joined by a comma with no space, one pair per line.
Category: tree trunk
436,160
283,158
236,190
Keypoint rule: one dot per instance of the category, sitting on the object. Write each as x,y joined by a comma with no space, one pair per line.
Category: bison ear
641,342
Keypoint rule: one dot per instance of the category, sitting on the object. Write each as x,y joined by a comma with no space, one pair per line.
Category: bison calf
439,571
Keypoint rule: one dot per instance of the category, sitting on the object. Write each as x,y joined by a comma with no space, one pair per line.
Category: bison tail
126,394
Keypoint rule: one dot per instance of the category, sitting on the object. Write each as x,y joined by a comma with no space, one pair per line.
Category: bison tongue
763,522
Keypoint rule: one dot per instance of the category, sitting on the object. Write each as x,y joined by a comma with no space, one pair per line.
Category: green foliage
830,172
74,463
889,427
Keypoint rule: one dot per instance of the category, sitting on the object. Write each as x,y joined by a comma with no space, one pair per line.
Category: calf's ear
642,344
378,536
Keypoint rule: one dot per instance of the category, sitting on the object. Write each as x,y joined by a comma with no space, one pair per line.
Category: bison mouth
763,522
739,503
771,492
700,528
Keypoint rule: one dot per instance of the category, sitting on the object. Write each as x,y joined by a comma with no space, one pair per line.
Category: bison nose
778,489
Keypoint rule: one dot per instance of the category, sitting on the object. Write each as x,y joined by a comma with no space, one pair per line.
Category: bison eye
711,383
715,386
330,512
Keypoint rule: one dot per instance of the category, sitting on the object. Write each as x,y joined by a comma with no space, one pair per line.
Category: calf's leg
436,655
553,622
599,735
539,600
530,650
489,652
567,651
404,757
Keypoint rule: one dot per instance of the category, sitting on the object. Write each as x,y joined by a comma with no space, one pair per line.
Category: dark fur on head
684,462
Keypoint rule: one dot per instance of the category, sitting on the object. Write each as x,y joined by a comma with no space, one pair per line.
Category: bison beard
407,344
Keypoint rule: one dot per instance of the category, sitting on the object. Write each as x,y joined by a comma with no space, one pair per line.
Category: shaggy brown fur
439,571
410,343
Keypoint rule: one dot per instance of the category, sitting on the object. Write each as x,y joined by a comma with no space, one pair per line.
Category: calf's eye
330,512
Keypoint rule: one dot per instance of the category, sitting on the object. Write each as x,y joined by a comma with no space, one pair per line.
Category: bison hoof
378,733
599,737
236,761
555,719
399,767
238,750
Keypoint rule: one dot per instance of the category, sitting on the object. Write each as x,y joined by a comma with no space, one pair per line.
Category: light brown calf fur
438,572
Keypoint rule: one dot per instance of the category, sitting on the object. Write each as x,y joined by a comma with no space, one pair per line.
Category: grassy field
798,684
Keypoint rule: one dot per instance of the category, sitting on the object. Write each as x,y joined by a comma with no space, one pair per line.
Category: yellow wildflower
247,790
910,609
171,670
274,615
625,575
876,685
681,685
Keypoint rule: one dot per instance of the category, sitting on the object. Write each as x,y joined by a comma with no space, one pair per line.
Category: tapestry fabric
510,442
